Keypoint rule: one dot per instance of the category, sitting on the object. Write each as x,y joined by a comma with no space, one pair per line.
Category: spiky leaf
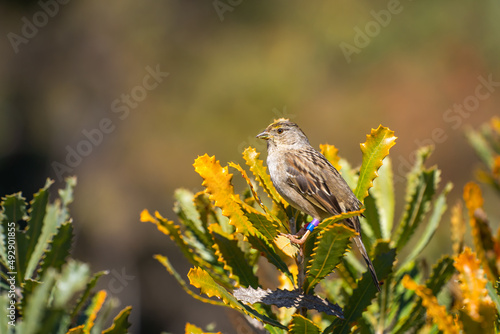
234,259
301,325
217,181
438,211
375,149
329,248
120,322
60,247
35,223
13,210
422,185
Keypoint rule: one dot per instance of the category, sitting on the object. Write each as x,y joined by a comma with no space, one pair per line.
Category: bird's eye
280,130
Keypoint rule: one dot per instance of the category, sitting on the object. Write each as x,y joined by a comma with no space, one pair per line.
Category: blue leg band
312,224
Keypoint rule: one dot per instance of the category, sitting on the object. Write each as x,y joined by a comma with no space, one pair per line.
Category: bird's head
283,132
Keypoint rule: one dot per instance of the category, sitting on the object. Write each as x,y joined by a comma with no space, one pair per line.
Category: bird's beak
263,135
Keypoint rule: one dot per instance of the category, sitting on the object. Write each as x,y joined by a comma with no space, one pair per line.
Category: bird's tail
361,247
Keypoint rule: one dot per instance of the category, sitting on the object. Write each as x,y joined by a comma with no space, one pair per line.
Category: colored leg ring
312,224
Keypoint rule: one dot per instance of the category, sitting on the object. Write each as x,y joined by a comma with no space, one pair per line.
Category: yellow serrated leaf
228,268
472,283
268,214
331,154
217,181
438,313
374,149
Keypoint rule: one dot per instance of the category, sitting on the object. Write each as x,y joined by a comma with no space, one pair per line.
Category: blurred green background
233,66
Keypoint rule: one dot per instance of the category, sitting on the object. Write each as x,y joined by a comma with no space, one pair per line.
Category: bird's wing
308,178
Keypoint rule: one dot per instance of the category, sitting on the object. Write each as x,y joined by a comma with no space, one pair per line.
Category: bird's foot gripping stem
301,237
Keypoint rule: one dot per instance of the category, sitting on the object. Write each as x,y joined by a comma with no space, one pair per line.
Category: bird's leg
301,237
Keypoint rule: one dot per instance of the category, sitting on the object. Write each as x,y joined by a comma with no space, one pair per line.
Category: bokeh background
233,66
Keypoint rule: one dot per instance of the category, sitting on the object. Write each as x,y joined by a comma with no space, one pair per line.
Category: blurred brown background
337,68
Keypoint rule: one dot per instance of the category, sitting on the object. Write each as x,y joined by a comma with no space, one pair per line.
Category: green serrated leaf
365,291
438,211
383,194
36,213
60,247
120,322
13,210
265,226
375,149
418,203
269,251
370,224
234,259
329,248
301,325
48,231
